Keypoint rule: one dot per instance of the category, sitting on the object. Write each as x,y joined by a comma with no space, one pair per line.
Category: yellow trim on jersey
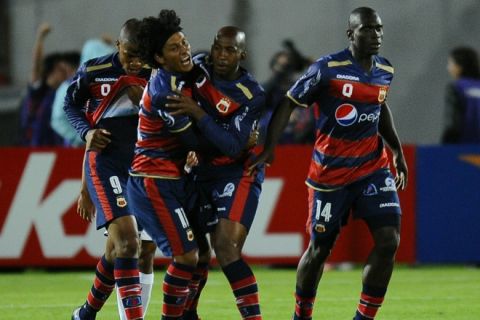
296,102
181,129
173,84
99,67
245,91
331,64
320,189
144,175
384,67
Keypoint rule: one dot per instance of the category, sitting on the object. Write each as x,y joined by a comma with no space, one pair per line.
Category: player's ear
243,55
159,59
350,34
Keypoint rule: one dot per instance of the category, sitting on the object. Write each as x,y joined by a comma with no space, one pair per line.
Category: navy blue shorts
235,199
373,197
160,208
106,178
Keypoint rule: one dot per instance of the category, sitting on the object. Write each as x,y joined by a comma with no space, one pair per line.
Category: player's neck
364,61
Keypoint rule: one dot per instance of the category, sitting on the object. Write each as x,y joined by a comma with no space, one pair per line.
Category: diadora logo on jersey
223,105
347,77
346,115
105,79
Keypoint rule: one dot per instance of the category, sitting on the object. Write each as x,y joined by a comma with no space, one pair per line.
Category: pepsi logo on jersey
346,115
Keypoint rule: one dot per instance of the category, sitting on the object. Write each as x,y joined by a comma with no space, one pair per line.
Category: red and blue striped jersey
159,151
348,101
234,106
92,84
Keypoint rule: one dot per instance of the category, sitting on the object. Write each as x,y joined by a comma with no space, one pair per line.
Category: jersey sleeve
78,93
304,90
232,140
175,124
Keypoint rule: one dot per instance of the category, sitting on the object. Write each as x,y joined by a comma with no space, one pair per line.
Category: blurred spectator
59,121
36,106
463,97
93,48
286,66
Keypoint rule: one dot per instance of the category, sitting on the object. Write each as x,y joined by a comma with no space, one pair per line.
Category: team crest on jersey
346,114
320,228
121,202
382,94
190,236
223,105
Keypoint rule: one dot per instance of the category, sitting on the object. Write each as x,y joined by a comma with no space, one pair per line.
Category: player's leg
327,211
145,267
124,234
161,213
228,241
383,220
107,190
199,278
236,206
102,287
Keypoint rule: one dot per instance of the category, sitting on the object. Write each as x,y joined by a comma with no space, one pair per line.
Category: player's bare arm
85,206
275,129
387,130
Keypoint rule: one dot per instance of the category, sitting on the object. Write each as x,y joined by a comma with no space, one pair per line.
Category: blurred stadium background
38,224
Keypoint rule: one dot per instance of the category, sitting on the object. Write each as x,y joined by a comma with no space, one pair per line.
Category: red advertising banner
39,225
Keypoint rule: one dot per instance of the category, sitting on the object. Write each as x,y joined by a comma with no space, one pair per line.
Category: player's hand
97,139
85,207
43,30
401,179
191,162
183,105
265,157
253,139
135,94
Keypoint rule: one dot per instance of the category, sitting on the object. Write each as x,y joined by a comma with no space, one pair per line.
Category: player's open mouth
186,61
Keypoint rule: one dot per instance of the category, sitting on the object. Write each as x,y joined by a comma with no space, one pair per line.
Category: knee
147,254
387,245
127,247
316,254
205,255
227,251
190,258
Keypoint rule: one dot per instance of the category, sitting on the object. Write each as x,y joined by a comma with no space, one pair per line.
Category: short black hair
467,59
154,32
354,18
129,31
72,58
49,63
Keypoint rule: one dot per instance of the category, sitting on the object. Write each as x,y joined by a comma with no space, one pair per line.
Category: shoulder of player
249,86
383,64
99,64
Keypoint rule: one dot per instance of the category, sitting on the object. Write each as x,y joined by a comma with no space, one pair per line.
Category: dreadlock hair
154,33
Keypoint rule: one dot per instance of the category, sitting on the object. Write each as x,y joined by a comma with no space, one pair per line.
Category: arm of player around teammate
85,207
78,94
387,130
229,141
275,129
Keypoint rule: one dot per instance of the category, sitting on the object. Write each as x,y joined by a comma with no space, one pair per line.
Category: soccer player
349,171
231,103
158,189
102,105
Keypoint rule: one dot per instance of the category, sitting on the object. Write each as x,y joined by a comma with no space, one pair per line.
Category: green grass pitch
428,293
